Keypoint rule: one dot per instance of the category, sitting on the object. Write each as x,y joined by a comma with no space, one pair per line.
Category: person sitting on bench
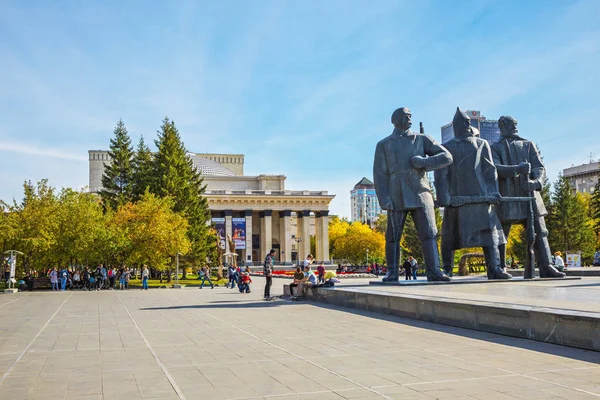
298,278
310,280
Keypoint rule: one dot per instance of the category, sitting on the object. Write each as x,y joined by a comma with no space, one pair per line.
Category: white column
266,233
322,229
304,233
285,236
248,251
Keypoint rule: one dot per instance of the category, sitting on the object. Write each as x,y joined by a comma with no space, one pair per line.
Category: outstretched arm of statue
436,156
506,170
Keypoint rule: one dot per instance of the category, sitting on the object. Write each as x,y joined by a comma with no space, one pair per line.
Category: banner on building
220,227
239,232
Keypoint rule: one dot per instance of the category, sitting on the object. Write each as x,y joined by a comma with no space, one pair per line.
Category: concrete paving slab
188,344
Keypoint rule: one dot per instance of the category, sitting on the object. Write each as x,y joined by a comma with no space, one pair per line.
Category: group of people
239,277
94,279
483,189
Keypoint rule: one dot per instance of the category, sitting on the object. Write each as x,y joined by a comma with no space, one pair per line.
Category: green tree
381,223
30,226
595,211
155,232
117,177
570,227
142,166
80,225
175,176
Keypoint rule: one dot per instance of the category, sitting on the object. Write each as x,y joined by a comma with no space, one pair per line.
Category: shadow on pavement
230,305
547,348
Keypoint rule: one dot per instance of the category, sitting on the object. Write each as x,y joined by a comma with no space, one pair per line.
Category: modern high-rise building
365,206
583,178
488,128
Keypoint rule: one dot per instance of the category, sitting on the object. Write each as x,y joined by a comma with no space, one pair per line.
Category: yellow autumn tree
353,245
154,232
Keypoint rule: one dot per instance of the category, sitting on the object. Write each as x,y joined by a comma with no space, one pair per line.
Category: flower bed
290,275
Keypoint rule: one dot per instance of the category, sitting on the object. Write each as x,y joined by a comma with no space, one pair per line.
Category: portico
280,219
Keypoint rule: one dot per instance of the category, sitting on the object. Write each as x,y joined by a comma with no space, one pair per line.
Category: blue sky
302,88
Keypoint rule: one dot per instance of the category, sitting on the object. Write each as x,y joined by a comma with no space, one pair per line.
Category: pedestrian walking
206,277
54,279
231,275
268,273
111,277
407,270
64,274
413,266
145,276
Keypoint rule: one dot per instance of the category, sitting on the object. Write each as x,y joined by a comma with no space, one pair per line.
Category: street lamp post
367,257
298,240
13,265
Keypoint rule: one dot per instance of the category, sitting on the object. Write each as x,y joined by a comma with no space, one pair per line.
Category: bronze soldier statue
468,191
400,175
521,173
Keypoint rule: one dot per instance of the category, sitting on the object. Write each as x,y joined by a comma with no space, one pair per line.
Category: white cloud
33,150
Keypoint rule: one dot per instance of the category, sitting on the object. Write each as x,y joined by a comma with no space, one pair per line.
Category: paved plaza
220,344
573,294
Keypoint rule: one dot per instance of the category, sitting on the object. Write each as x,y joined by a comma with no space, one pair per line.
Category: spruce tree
595,208
116,180
142,170
174,175
568,222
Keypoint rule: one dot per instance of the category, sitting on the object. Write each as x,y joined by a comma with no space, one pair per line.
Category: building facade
364,203
488,128
583,178
256,212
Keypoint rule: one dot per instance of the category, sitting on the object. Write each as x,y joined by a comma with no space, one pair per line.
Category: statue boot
392,249
548,271
492,264
542,255
448,270
432,261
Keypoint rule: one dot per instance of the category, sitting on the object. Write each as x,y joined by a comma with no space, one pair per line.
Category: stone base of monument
564,312
466,280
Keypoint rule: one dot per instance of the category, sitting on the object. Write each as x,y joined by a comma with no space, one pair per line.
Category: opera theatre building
257,213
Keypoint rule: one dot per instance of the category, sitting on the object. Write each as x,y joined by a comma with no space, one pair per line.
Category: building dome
210,168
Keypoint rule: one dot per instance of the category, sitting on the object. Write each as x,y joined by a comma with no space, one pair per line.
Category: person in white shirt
559,264
309,260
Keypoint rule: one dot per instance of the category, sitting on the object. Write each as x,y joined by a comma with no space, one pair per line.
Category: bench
287,292
42,283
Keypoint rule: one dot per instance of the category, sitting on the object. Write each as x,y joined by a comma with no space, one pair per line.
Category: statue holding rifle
468,191
400,175
521,173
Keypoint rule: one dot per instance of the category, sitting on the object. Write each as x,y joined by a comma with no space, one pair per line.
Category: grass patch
187,282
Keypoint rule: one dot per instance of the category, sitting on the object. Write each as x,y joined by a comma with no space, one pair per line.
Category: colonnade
274,229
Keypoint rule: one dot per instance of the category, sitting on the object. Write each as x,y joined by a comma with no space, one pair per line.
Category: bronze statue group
483,189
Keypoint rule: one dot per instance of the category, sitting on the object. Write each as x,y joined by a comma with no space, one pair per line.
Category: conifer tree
595,208
116,180
174,175
568,222
142,170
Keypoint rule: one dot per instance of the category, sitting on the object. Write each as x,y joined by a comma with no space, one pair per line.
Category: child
246,281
